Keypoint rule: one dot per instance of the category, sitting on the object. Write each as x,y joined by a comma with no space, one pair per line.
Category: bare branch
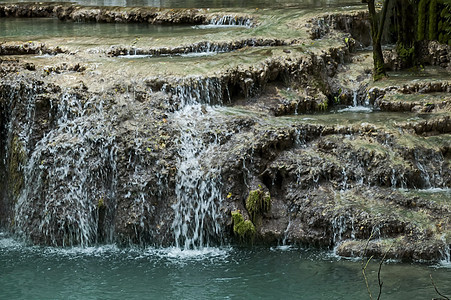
379,272
365,265
436,289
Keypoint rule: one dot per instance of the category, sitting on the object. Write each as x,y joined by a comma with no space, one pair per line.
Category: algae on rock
257,203
16,162
243,228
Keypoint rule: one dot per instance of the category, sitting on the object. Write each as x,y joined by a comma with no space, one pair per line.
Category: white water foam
199,54
68,167
178,254
356,109
283,248
134,56
213,26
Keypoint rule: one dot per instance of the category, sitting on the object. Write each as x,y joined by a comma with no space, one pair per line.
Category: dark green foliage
422,9
432,33
407,54
444,25
434,20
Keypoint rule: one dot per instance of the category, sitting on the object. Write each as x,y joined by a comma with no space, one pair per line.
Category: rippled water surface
47,27
107,272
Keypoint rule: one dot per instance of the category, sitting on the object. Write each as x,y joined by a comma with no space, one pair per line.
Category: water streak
73,169
198,190
229,20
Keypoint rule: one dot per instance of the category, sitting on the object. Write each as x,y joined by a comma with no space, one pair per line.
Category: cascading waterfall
196,212
194,90
357,106
339,227
446,254
73,168
229,20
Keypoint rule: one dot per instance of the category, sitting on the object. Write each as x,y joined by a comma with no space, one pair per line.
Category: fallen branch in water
365,265
436,289
379,273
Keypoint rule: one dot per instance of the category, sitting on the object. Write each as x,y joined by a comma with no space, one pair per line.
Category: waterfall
446,252
198,192
339,228
356,104
198,189
229,20
195,90
68,177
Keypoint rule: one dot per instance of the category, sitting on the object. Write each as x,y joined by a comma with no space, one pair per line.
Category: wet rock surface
105,14
98,150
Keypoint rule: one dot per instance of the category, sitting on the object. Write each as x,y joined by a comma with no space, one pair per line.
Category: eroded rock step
105,14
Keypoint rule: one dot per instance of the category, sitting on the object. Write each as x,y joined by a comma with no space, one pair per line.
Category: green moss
378,75
100,203
406,54
257,203
323,106
242,228
379,69
17,159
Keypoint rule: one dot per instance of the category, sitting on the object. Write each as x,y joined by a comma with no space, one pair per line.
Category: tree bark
377,28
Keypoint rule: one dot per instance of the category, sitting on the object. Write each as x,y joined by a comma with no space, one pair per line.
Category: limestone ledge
105,14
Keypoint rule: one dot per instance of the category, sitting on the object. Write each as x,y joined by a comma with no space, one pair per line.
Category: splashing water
229,20
196,215
356,107
446,254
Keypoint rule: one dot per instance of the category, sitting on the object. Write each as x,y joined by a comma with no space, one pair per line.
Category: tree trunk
376,34
378,58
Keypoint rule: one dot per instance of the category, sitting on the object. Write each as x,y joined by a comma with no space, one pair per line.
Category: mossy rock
245,229
17,160
257,203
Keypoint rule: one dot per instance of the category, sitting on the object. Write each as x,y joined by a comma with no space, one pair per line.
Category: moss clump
406,54
243,228
257,203
17,160
100,203
323,106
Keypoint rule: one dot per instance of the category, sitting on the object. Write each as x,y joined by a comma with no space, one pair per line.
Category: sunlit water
108,272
